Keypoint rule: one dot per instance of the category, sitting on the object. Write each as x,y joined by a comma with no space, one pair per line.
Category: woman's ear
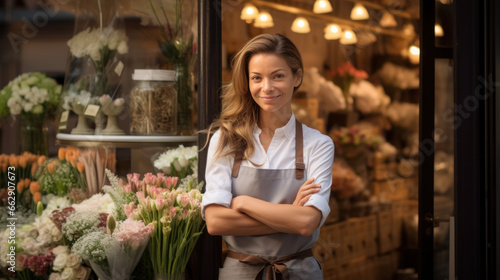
298,78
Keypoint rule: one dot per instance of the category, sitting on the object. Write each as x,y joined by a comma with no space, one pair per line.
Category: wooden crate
390,190
385,232
346,249
330,273
371,235
327,248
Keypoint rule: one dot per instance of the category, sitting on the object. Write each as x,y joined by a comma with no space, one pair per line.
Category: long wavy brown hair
239,112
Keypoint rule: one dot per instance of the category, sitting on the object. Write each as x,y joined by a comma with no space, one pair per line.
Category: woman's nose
267,85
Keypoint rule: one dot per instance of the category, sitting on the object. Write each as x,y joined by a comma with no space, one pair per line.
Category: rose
21,260
55,276
81,272
30,247
67,273
60,262
73,261
61,249
56,234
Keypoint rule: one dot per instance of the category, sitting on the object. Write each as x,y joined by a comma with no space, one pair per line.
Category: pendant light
348,37
301,25
264,20
414,54
359,12
387,20
438,30
249,12
333,31
322,7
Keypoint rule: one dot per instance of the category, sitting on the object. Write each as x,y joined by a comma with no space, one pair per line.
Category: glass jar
153,102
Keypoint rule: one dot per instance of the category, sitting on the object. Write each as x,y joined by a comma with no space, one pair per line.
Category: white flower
122,48
73,261
60,262
55,276
81,273
67,273
61,249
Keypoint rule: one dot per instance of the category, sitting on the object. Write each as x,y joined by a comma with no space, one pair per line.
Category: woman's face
271,82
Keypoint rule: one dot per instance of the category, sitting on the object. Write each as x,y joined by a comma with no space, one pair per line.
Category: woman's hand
306,191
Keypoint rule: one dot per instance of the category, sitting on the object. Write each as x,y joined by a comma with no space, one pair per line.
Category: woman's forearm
224,221
286,218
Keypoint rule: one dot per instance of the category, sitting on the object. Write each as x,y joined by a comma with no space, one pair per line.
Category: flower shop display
178,45
96,65
112,108
77,102
64,176
96,161
344,76
33,97
153,102
176,216
179,162
353,144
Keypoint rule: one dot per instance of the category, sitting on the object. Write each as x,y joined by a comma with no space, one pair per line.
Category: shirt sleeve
319,167
217,178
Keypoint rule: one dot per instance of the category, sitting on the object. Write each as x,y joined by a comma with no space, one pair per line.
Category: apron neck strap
299,154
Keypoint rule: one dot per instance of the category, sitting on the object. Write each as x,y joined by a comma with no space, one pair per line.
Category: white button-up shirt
318,159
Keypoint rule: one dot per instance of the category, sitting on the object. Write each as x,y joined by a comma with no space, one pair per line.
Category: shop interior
361,87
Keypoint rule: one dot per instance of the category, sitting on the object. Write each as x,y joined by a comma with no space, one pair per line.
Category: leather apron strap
299,154
278,267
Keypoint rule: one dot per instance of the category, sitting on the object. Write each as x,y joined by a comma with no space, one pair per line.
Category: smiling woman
265,165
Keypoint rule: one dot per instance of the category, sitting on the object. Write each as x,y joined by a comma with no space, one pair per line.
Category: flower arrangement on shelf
98,71
100,45
344,76
179,47
34,97
31,95
355,139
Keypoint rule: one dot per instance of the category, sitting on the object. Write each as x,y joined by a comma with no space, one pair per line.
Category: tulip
37,197
51,167
61,154
80,166
41,160
34,187
34,167
20,186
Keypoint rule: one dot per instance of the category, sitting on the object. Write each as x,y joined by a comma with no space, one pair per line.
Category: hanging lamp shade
322,6
438,30
414,54
388,20
249,13
264,20
359,12
348,37
301,25
333,31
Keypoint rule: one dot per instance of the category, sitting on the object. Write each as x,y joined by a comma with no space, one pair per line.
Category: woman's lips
269,98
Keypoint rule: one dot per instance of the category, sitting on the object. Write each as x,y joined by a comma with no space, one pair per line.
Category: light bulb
388,20
249,13
301,25
414,54
359,12
438,30
322,6
333,32
264,20
348,37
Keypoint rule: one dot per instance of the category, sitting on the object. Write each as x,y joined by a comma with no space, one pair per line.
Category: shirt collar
287,131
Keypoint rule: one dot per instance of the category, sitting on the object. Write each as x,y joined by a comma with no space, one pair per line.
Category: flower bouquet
176,217
33,97
179,162
344,76
96,65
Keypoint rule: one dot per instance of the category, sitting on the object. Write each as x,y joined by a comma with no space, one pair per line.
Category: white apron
276,186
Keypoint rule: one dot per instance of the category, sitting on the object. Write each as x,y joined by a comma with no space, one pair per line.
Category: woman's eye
280,76
255,78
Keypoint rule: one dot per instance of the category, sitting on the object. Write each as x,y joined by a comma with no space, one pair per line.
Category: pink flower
129,209
160,202
127,188
132,233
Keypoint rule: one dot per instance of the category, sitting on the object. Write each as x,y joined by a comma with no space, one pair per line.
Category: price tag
92,110
119,68
63,123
